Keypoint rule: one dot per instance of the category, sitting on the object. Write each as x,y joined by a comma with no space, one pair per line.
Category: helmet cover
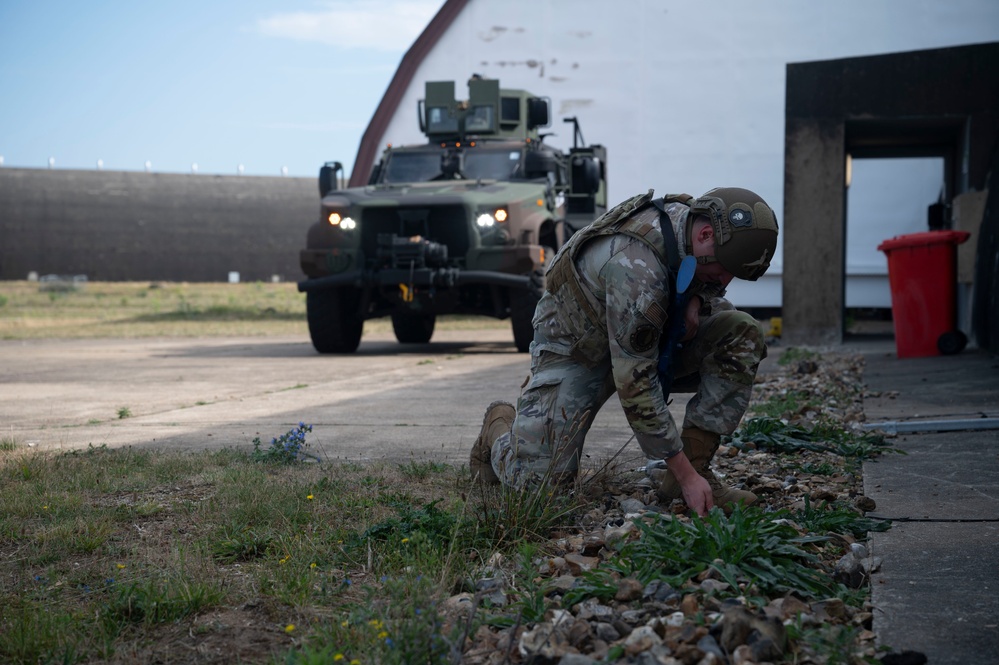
745,230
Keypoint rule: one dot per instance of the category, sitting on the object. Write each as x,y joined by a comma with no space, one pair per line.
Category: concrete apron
937,590
386,402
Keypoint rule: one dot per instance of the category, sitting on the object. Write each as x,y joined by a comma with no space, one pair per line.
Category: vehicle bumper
518,264
426,277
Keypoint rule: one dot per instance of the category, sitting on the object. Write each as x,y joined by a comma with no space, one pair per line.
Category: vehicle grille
441,224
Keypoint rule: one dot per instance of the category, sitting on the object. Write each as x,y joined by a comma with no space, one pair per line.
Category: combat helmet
745,230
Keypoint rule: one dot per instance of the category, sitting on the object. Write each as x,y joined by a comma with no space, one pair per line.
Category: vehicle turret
489,112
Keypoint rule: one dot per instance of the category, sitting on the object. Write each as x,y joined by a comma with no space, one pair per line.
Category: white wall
686,94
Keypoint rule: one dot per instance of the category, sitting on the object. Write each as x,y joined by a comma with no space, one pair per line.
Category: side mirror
537,113
585,175
328,180
538,164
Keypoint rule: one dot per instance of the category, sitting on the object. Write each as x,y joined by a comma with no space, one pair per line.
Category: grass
114,551
169,309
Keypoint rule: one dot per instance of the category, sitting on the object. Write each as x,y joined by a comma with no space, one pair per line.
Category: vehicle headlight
485,220
345,223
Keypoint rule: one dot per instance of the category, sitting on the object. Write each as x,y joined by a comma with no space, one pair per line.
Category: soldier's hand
695,489
697,495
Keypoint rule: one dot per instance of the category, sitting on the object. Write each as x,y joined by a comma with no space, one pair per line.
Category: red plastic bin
922,273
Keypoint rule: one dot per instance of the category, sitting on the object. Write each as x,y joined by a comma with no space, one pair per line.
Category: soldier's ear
704,232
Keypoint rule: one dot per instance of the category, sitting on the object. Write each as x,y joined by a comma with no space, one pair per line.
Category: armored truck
465,223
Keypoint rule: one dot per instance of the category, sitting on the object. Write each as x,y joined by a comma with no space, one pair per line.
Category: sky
263,84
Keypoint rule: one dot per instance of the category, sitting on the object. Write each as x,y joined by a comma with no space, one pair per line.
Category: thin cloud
384,25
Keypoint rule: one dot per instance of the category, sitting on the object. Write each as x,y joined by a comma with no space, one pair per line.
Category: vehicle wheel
334,323
523,302
412,328
952,342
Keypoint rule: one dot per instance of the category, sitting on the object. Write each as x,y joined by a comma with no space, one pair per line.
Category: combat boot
498,420
699,446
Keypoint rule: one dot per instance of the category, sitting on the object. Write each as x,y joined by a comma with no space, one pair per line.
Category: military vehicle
463,224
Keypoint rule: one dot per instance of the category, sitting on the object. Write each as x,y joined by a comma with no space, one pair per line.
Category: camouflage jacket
608,294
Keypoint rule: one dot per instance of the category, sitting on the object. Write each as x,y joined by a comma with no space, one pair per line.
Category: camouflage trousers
558,403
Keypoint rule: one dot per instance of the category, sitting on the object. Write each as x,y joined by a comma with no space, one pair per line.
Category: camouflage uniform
597,330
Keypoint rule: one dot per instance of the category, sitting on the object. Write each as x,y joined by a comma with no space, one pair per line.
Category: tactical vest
625,219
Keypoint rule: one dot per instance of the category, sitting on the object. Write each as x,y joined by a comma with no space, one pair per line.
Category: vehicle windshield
477,163
501,164
412,167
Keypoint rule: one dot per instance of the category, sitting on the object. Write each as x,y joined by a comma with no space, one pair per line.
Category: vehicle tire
523,303
413,328
952,342
334,323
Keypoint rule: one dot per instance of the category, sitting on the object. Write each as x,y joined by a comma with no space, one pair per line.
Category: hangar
688,96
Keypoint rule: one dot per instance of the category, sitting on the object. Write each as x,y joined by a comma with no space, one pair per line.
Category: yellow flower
309,497
382,635
405,540
339,656
312,565
121,566
344,623
45,507
355,662
289,628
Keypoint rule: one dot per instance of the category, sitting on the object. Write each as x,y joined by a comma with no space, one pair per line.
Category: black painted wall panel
116,225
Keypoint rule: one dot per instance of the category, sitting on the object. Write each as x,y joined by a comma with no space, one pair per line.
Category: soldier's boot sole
497,420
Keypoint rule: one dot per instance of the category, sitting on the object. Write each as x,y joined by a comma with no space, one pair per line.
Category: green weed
421,470
830,644
398,623
749,547
240,543
34,634
780,406
795,355
154,601
780,437
832,518
511,515
821,469
530,599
